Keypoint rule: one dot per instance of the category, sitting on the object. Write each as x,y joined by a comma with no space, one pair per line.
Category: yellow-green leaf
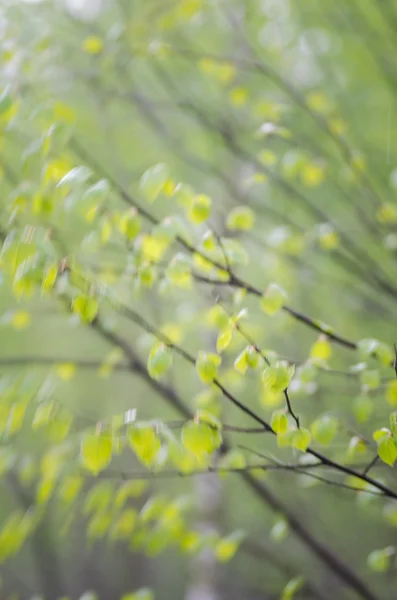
200,439
279,421
153,181
273,299
207,365
293,586
86,307
199,210
227,547
159,362
224,339
387,450
324,429
96,452
241,218
321,350
301,439
145,442
277,378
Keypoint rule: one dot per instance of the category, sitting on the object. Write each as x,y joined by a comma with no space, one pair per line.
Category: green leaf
153,180
301,439
224,339
70,488
234,459
240,218
381,433
199,210
207,365
253,357
321,350
241,362
324,429
96,452
379,560
235,252
227,547
145,442
279,421
370,347
124,525
200,439
97,192
129,489
153,508
49,278
293,586
280,530
205,416
370,379
363,407
278,378
387,450
159,362
43,414
75,177
86,307
130,224
99,525
273,299
99,498
391,393
179,273
141,594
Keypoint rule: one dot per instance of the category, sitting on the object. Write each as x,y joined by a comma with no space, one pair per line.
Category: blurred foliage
199,234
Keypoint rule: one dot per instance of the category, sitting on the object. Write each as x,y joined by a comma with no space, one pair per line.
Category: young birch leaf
391,393
241,218
293,586
153,181
363,408
278,378
49,278
279,421
200,439
159,362
141,594
252,357
301,439
324,429
387,450
207,365
146,444
279,530
96,452
86,307
379,560
241,362
381,433
224,339
130,224
370,379
273,299
227,547
321,349
199,210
